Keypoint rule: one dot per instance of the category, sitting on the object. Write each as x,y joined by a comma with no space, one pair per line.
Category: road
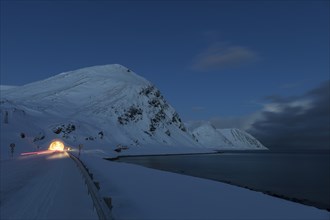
47,186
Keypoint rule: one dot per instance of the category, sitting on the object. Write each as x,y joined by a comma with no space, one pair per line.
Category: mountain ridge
107,106
231,138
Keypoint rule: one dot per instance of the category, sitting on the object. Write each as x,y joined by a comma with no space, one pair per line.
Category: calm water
304,178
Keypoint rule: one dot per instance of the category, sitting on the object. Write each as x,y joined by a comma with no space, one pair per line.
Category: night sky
246,64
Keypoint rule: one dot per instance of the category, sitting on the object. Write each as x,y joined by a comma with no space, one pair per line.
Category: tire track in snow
43,186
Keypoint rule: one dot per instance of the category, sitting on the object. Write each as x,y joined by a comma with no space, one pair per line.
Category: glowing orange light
56,146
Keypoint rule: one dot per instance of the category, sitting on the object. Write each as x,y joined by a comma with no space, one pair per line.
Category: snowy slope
106,106
229,139
241,139
102,105
208,136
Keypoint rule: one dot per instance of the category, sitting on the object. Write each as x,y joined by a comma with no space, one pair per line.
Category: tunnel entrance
56,146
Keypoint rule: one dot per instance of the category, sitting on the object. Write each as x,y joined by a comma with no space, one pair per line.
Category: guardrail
101,207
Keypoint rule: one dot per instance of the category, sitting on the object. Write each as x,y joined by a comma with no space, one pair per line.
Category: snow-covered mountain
101,106
214,138
208,136
241,139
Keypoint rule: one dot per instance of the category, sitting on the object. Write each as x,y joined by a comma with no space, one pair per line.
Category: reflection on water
304,178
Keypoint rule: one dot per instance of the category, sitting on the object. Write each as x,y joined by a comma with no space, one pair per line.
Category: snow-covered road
50,186
47,186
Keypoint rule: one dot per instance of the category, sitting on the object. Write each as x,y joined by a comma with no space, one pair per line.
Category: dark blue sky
209,58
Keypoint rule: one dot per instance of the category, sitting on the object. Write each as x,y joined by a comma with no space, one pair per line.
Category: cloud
291,123
288,123
219,56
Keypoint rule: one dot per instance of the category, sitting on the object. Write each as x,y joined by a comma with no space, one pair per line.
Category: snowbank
143,193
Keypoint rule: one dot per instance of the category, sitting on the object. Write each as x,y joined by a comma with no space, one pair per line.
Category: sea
298,177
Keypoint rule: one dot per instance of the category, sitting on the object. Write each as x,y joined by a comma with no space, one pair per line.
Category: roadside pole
80,146
12,149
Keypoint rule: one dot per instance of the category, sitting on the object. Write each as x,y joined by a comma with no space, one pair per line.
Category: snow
225,139
208,136
142,193
51,186
43,186
107,108
109,99
241,139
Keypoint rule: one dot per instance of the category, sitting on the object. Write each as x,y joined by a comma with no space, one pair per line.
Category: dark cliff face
152,111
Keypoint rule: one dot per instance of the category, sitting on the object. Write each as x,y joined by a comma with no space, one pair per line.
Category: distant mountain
241,139
210,137
102,106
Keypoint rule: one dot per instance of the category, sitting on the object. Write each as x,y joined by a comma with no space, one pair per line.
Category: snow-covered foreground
47,186
142,193
50,186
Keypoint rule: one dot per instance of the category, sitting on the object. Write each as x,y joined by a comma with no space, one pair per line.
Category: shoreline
266,151
270,193
187,154
267,192
158,155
